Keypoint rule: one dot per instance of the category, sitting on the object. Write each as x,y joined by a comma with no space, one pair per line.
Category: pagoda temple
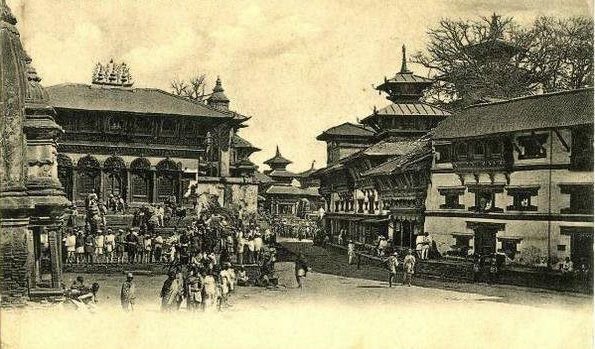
370,184
288,193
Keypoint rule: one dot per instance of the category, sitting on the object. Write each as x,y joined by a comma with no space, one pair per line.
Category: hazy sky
296,67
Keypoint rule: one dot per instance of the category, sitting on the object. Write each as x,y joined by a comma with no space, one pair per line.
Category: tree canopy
496,58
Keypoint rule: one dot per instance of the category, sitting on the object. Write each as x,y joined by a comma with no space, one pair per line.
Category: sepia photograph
296,174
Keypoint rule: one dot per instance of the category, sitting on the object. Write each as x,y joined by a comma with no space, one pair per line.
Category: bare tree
193,89
552,53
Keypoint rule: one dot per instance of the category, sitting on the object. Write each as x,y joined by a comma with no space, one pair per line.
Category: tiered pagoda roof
278,160
404,86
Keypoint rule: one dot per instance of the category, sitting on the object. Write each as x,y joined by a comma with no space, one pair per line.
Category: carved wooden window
451,197
462,151
495,148
168,127
143,126
532,146
115,124
88,123
485,197
444,153
581,198
479,150
522,198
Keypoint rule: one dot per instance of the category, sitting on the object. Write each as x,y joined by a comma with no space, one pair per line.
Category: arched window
115,168
168,176
141,181
88,176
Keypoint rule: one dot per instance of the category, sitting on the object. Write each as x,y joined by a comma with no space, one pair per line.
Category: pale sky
296,67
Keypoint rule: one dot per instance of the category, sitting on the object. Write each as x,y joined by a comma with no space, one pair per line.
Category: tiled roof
347,129
262,178
388,147
282,173
239,142
133,100
409,109
560,109
291,190
408,77
414,151
244,163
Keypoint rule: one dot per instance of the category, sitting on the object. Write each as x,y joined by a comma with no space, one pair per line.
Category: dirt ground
332,312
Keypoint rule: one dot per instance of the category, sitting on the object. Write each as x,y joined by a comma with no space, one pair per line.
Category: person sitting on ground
242,277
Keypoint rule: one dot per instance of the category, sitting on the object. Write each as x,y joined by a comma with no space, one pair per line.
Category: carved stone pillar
154,195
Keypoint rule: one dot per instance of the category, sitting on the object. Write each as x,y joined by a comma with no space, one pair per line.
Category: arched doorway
65,172
141,181
115,177
88,176
168,180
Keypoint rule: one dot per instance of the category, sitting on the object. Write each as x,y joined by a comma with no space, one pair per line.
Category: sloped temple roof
132,100
347,129
559,109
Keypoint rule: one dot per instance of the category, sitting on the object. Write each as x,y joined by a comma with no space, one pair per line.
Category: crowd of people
300,229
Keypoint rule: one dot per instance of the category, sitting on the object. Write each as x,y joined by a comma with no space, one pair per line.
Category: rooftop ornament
111,74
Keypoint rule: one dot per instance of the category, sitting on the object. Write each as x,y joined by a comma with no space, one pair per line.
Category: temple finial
404,68
277,153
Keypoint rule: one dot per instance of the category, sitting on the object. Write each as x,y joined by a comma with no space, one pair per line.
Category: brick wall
13,261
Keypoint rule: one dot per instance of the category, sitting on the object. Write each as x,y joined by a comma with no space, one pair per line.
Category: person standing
99,242
70,244
89,248
131,246
301,269
350,252
408,267
120,246
257,246
171,292
425,247
157,247
80,247
393,264
109,243
128,293
147,245
194,285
